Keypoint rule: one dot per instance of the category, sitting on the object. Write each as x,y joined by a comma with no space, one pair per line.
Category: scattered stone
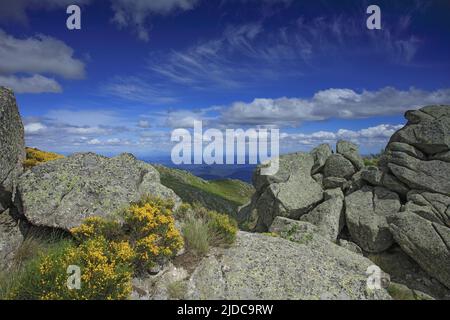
293,230
403,269
318,177
338,166
320,155
355,183
290,193
158,287
372,175
401,292
328,217
333,193
335,182
351,152
366,212
353,247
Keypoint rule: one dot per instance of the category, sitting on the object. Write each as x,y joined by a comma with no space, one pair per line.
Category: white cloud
331,103
33,84
34,127
85,118
372,136
86,130
94,142
39,54
24,61
185,118
144,124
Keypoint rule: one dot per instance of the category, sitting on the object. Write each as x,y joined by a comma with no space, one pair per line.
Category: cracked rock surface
258,266
64,192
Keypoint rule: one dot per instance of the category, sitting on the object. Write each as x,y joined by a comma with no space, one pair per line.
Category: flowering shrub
105,272
93,227
152,229
148,227
36,156
222,228
108,253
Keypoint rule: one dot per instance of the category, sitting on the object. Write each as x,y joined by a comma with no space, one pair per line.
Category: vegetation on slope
35,157
203,228
110,253
372,159
220,195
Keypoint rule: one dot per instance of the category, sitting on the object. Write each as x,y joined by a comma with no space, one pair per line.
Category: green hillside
221,195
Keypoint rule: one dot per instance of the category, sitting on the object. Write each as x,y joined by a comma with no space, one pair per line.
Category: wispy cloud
250,54
137,89
136,13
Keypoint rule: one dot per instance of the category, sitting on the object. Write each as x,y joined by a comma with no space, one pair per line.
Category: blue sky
138,69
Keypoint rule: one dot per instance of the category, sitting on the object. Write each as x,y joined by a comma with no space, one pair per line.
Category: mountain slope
224,195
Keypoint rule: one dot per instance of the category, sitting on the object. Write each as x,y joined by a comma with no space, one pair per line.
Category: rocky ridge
404,202
324,210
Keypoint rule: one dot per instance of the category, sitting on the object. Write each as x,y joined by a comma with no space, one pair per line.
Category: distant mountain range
241,172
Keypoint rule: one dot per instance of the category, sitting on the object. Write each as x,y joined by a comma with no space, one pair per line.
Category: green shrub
177,290
35,157
105,273
203,226
147,226
37,241
371,162
196,235
222,229
108,253
8,279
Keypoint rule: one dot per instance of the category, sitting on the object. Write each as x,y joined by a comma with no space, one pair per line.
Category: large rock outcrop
428,243
366,215
62,193
12,234
329,215
12,148
412,176
427,130
12,154
263,267
416,165
291,192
